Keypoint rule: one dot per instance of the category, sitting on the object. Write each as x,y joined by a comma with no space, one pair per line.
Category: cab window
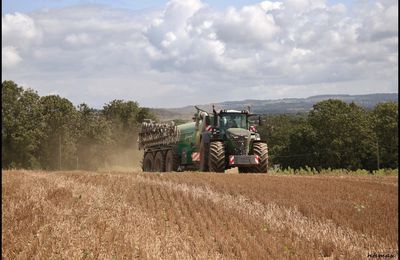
233,121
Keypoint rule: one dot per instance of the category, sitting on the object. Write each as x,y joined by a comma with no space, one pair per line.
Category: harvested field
89,215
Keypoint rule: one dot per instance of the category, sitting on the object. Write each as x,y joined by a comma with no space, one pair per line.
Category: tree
123,116
144,113
125,112
94,134
385,118
58,145
301,148
22,126
50,133
277,131
344,139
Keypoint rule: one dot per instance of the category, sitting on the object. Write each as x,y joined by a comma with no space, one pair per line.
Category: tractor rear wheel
148,161
216,159
204,150
171,161
261,149
159,162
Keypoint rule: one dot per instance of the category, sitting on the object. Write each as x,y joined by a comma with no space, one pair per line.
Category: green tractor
212,142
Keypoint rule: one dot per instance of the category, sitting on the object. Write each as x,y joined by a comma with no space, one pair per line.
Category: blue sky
11,6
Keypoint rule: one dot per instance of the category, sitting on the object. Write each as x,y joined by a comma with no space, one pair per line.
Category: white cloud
187,52
267,5
78,39
9,57
249,25
304,5
19,33
19,29
169,38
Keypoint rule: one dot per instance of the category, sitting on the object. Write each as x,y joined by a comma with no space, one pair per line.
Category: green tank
212,142
185,145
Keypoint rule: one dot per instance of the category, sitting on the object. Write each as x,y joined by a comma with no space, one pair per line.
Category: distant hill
277,106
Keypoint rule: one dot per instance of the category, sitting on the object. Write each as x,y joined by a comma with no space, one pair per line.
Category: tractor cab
233,120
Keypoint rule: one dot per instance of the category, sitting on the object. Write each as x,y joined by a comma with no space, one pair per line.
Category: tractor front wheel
261,149
216,159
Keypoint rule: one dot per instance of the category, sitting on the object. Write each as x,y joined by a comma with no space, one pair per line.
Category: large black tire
171,161
159,162
261,149
148,162
216,159
204,151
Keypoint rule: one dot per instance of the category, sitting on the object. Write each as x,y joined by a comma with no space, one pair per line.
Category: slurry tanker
213,142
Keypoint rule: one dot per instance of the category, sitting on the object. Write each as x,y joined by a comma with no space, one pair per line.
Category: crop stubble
87,215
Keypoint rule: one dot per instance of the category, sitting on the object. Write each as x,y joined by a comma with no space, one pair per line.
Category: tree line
49,132
334,134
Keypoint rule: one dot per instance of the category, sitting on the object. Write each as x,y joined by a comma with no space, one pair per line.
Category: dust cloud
119,156
124,160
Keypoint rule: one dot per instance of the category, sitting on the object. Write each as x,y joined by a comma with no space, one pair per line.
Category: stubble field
111,215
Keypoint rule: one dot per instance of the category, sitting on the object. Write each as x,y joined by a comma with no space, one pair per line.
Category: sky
185,52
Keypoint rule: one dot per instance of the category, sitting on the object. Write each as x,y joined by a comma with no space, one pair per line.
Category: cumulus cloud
9,57
78,39
251,24
19,33
19,29
272,49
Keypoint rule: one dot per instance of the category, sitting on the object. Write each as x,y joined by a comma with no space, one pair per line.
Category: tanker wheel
147,164
216,159
261,149
159,162
204,150
171,161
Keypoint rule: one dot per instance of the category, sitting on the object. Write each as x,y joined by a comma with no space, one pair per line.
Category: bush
312,171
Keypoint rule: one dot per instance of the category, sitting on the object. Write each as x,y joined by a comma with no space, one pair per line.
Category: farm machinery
212,142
